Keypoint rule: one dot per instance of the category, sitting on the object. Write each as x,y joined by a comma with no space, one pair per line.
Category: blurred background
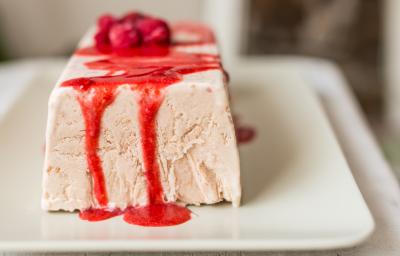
361,36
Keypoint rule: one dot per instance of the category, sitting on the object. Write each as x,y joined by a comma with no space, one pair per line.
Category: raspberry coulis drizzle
146,71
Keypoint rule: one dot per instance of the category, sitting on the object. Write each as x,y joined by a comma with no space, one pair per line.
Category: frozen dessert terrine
140,122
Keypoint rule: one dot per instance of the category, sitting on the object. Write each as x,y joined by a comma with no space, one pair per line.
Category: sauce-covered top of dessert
136,51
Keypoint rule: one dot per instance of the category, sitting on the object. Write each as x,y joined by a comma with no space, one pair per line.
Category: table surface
372,173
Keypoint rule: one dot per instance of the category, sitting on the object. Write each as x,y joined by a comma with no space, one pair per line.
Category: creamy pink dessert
140,122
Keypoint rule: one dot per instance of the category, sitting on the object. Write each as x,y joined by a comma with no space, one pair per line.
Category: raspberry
130,31
154,31
102,41
132,17
105,22
124,36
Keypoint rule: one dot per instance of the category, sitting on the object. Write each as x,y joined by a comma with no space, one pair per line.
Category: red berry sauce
99,214
244,133
147,69
157,215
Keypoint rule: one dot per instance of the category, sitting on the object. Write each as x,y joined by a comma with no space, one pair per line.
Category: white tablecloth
372,173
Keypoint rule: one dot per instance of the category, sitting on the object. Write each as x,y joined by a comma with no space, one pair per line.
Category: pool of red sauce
244,133
147,71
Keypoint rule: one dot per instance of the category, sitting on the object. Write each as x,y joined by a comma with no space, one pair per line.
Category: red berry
124,36
105,22
102,41
132,17
154,31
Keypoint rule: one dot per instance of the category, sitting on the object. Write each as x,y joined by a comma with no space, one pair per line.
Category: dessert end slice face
164,136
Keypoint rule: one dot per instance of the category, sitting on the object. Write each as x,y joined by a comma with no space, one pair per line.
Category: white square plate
299,192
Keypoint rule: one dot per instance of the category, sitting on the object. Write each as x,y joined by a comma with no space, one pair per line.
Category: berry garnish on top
124,36
130,31
154,31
